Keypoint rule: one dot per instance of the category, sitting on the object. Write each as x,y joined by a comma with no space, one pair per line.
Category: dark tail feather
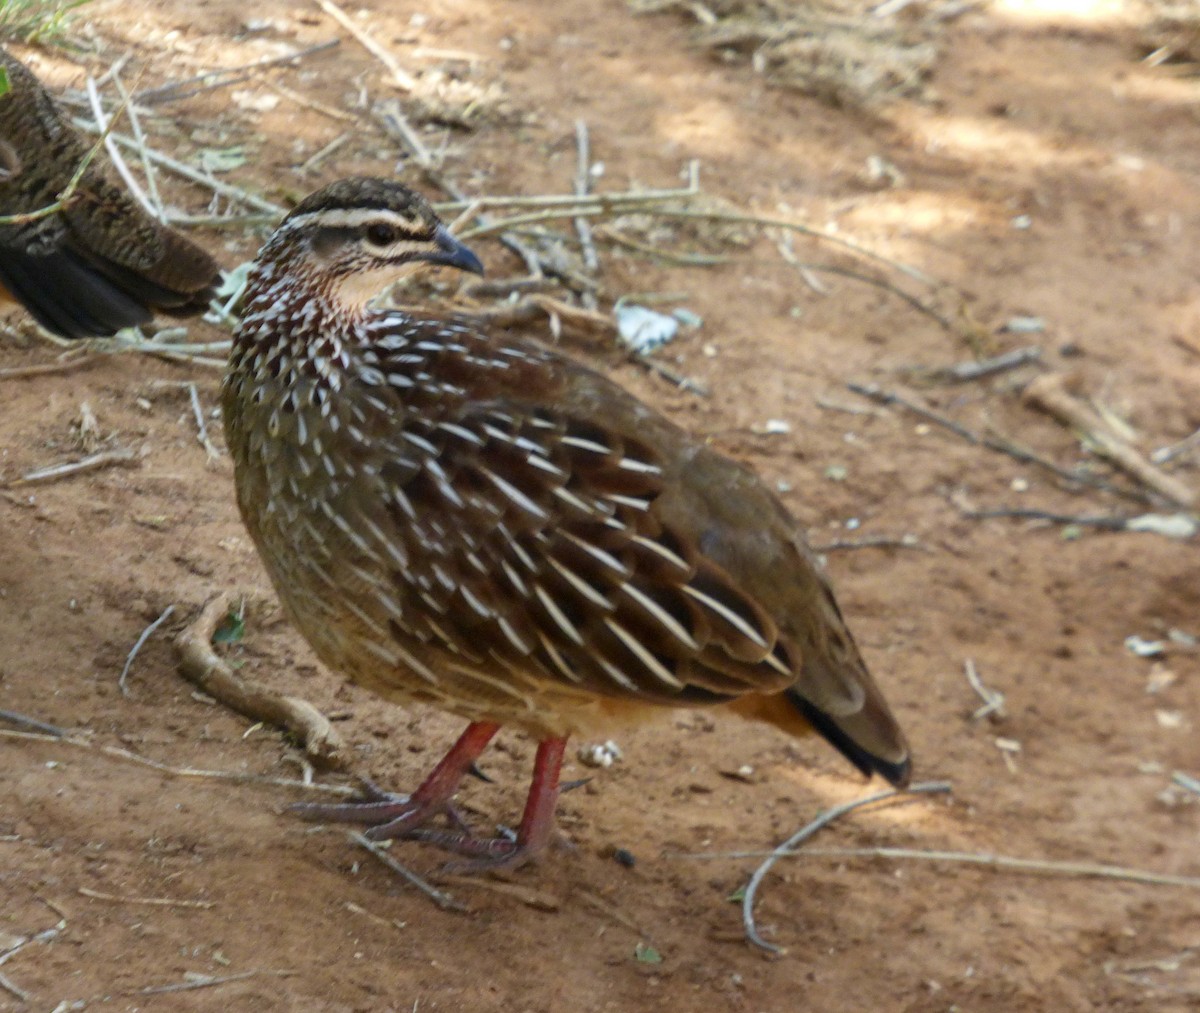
66,297
80,297
897,774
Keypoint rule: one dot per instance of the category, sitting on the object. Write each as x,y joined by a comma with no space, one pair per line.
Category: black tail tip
898,774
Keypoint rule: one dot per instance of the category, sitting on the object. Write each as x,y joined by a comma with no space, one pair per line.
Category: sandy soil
1034,115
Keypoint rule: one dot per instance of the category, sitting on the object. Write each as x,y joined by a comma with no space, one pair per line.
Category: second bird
473,521
99,264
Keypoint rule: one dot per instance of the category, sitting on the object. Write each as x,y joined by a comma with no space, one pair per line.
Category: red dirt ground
1047,116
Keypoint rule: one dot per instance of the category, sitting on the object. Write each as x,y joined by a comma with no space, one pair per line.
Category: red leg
537,822
390,815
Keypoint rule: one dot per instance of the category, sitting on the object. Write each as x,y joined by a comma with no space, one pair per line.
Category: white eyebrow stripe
355,218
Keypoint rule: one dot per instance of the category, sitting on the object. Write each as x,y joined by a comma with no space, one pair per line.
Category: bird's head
359,235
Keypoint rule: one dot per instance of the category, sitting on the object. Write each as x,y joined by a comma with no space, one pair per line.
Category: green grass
35,21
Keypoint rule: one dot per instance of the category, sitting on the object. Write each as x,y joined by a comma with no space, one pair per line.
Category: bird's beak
452,253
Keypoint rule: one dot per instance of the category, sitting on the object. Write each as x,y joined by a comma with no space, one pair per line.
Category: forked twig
187,172
152,208
1050,394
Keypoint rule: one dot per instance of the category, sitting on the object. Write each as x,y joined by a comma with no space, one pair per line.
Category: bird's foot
386,814
480,854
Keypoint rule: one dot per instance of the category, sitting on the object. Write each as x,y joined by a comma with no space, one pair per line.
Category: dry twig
205,981
104,459
125,755
200,665
114,153
583,185
201,427
1105,522
24,721
788,846
539,900
226,76
1073,870
1050,394
993,700
400,77
147,901
1186,781
442,900
64,364
891,399
187,172
977,369
870,542
397,124
147,633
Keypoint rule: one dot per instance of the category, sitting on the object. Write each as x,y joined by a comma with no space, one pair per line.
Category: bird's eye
380,234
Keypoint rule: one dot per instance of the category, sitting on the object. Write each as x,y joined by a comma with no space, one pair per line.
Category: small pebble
623,857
